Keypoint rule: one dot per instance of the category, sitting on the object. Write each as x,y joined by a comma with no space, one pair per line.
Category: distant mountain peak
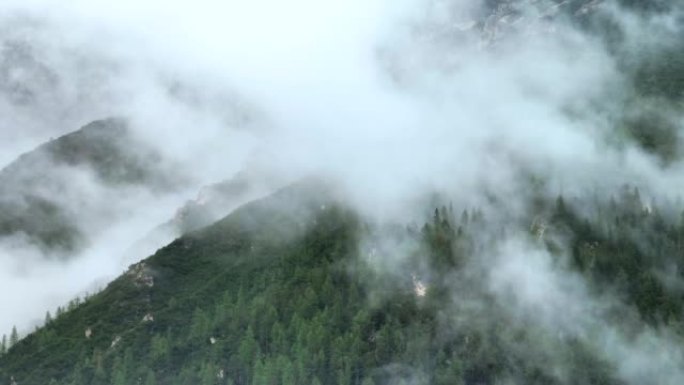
44,194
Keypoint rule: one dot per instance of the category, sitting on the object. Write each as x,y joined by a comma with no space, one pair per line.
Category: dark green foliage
276,293
14,337
655,132
624,248
661,73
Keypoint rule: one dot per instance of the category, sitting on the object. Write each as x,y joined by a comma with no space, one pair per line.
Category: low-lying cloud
392,100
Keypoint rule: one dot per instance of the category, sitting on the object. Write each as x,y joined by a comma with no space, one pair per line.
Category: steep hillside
211,204
44,191
283,291
533,111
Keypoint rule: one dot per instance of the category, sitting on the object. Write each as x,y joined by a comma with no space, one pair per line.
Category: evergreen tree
301,318
288,373
208,374
159,349
247,353
151,378
259,373
14,337
119,372
201,323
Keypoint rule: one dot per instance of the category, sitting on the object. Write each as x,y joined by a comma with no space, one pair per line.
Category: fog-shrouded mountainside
281,291
387,192
48,195
211,204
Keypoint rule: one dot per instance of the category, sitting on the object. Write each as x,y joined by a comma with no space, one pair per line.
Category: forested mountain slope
211,204
304,287
286,290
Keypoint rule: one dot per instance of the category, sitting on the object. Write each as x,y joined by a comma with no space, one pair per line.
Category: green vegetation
627,246
280,293
298,289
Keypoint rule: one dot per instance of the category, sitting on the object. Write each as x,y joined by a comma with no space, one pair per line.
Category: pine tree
160,349
14,337
247,351
3,345
465,218
100,375
208,374
561,210
118,372
151,378
48,318
260,373
201,322
288,373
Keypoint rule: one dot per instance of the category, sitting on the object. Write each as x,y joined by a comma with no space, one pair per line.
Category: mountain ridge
40,190
283,291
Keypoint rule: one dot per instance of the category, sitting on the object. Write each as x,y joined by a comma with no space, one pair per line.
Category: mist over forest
345,192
